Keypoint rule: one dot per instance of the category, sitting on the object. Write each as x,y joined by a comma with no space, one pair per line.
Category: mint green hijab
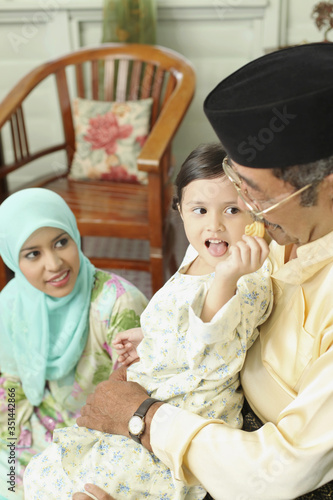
41,337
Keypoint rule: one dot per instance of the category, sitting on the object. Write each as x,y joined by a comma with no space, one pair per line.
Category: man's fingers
90,423
98,492
81,421
81,496
84,410
95,491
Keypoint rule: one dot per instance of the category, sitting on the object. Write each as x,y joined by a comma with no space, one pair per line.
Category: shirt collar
311,258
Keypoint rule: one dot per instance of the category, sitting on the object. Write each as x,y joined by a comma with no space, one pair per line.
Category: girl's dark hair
205,162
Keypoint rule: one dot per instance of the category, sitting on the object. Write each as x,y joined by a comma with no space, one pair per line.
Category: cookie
255,229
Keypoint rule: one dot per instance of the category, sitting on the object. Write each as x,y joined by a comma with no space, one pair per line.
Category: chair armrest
20,91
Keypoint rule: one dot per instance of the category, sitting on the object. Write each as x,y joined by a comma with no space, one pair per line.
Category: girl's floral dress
116,305
190,364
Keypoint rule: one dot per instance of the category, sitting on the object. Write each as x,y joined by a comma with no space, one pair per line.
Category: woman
58,317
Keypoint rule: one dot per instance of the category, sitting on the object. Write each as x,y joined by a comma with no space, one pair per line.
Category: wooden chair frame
131,72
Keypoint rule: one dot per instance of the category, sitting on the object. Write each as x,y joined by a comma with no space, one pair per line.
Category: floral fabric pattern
186,362
109,137
116,305
104,131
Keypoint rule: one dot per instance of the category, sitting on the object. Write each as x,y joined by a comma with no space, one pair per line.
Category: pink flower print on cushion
104,131
119,174
141,139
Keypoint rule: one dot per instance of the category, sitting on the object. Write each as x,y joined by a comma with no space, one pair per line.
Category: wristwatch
136,424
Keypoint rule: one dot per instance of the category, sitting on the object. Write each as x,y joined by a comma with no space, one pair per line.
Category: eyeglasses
251,204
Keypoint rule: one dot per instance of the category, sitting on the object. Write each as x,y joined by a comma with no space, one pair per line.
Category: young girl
197,330
58,318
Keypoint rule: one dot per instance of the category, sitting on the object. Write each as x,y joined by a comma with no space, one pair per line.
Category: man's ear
329,184
327,187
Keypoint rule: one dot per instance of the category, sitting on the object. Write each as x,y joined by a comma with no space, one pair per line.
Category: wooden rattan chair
103,208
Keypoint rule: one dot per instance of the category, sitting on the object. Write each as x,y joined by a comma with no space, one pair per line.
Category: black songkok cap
277,111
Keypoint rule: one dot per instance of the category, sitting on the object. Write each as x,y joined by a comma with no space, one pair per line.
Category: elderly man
274,117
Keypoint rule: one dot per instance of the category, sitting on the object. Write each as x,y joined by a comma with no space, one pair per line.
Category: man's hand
119,374
111,405
94,490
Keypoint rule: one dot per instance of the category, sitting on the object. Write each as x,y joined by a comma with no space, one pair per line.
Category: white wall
218,36
298,24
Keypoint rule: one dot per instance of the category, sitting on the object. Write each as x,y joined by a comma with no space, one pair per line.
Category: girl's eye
61,243
32,255
200,211
232,210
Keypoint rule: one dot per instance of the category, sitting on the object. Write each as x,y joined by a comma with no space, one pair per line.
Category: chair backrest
127,72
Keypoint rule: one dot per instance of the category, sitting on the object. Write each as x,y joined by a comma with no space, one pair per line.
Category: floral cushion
109,137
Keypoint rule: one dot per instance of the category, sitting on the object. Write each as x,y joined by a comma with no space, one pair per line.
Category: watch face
136,425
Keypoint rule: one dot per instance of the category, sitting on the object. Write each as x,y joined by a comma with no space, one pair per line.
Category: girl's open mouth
216,248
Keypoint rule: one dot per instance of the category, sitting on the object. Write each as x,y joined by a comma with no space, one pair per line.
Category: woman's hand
94,490
126,343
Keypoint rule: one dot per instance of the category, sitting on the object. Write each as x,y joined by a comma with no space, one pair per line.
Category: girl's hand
125,343
247,256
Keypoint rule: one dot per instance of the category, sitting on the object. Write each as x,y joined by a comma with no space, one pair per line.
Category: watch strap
136,438
144,407
141,412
